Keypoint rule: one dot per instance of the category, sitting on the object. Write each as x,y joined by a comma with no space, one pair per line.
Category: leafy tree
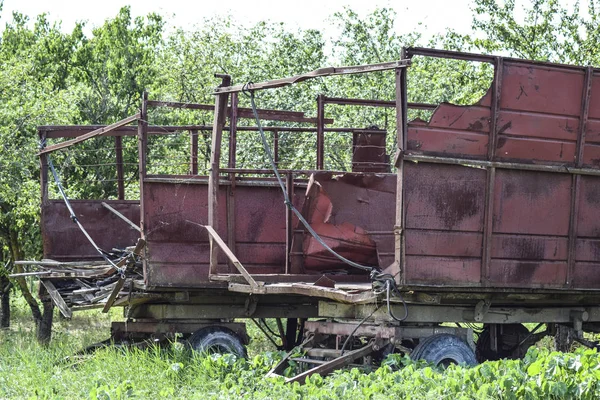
549,31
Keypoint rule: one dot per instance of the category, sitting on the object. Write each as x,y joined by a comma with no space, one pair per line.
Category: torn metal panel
348,240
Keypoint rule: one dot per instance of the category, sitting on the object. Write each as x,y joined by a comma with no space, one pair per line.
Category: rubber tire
444,349
217,339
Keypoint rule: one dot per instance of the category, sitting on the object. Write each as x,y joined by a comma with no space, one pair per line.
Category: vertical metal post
276,147
576,179
401,129
43,170
119,164
194,152
230,202
215,158
233,119
43,182
142,152
289,228
488,219
320,131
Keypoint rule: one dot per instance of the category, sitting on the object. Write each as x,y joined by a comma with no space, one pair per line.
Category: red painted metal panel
64,241
527,150
440,271
260,215
526,124
592,131
444,197
591,155
586,275
531,202
443,142
595,97
542,89
588,222
527,247
529,274
443,243
588,250
465,118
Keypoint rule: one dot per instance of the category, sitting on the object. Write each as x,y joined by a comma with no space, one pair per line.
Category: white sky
435,15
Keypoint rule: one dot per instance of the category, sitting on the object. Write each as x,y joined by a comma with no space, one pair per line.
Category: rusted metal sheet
368,151
541,89
360,199
348,240
443,197
63,241
529,202
179,250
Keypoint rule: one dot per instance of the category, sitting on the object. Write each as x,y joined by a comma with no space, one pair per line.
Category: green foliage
548,31
31,371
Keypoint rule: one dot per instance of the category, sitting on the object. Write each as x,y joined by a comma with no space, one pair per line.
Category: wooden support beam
215,159
234,260
57,298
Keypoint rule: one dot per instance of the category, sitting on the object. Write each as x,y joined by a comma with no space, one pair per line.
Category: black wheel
444,349
509,337
217,340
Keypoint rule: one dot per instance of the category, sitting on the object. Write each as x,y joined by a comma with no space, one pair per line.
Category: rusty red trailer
485,214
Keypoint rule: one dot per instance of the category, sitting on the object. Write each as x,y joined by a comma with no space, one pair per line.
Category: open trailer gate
486,215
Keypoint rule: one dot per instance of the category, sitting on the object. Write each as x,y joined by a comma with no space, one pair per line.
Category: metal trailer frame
238,293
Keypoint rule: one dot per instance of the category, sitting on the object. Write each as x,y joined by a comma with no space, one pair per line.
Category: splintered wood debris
88,284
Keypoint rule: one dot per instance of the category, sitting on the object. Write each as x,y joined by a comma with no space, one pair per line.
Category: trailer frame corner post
142,153
576,178
320,131
43,184
119,165
231,163
488,221
43,168
215,158
401,129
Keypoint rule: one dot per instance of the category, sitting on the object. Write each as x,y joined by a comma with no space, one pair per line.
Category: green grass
28,370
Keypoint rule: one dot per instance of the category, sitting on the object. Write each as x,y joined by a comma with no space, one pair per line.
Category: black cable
74,218
362,321
287,200
376,276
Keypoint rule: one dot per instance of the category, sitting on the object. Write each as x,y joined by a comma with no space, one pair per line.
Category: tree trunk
5,287
44,326
17,254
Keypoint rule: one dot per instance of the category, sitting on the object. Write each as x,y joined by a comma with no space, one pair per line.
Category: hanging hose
378,278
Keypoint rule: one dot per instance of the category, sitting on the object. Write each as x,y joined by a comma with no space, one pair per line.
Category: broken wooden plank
37,273
97,132
307,290
234,260
321,72
57,298
113,296
52,263
124,218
